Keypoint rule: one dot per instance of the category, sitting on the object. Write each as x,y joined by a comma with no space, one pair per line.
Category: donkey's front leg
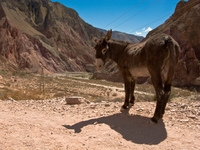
127,86
132,92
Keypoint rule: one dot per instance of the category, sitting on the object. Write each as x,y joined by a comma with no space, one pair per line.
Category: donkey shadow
134,128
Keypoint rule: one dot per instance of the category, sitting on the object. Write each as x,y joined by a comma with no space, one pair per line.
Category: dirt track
51,124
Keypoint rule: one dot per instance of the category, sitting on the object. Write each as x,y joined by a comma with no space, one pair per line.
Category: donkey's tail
171,59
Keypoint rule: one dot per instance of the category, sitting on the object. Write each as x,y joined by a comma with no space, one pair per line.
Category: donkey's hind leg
167,88
167,91
157,83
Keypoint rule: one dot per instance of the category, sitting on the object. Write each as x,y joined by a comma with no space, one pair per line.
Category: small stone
92,106
102,114
10,98
192,116
183,105
167,108
184,120
140,109
107,105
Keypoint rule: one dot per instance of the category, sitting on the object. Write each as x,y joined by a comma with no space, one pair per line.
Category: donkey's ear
108,35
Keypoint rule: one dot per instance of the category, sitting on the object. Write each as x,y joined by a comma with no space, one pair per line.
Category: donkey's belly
139,72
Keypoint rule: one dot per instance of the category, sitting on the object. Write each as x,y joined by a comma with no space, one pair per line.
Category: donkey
156,57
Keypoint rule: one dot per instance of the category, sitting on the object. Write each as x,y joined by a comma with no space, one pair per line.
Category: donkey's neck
116,49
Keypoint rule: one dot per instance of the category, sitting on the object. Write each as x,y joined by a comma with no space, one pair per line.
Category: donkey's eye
104,50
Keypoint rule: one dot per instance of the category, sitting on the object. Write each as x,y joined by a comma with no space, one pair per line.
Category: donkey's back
156,54
162,54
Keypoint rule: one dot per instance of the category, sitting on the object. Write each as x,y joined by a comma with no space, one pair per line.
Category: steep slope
38,34
184,27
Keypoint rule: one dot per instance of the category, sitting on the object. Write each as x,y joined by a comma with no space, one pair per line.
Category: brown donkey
156,57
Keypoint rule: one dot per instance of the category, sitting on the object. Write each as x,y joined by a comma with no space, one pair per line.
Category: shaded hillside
124,37
184,27
39,34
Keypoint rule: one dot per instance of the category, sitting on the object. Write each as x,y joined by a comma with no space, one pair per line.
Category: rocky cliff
38,34
184,27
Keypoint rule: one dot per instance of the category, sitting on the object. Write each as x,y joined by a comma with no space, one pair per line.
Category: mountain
184,27
41,35
38,35
124,37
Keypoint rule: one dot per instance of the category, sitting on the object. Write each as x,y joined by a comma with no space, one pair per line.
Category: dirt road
51,124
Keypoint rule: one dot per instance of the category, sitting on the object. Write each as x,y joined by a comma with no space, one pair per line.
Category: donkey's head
102,50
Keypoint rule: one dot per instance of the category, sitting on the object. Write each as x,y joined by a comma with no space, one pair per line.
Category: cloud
143,29
148,29
138,33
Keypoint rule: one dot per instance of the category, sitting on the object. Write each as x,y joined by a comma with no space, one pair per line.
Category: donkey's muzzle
99,64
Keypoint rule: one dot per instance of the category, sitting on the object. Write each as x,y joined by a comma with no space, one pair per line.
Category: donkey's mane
122,43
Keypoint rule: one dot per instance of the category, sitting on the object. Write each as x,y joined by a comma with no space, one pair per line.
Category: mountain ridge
43,35
124,36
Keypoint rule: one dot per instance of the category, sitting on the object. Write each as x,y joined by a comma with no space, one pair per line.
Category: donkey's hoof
132,103
123,108
153,121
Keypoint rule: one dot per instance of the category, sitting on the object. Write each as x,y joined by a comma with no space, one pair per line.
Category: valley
34,115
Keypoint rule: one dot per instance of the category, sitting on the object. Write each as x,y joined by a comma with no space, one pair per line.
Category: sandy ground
52,124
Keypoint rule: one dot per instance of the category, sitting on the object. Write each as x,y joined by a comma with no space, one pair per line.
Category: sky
136,17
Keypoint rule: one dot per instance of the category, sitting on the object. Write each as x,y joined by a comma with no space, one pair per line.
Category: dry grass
21,86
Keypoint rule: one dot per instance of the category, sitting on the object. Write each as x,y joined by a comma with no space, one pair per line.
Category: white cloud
143,29
138,33
148,29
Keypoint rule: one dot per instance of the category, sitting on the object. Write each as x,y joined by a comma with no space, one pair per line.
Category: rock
173,110
183,106
74,100
167,108
183,27
139,109
107,105
192,116
92,106
11,99
184,120
116,106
